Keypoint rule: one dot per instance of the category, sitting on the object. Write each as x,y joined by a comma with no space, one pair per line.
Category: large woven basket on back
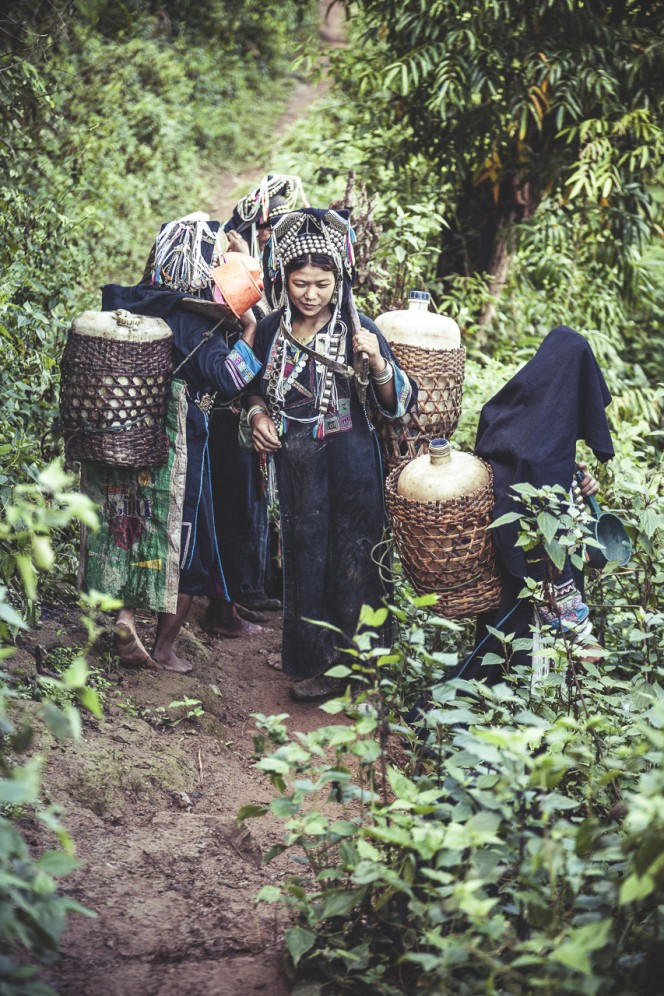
115,378
439,374
445,547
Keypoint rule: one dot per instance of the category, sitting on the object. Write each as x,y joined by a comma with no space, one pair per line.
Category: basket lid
120,326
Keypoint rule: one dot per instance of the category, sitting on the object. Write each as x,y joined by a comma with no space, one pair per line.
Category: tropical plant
500,105
497,838
32,912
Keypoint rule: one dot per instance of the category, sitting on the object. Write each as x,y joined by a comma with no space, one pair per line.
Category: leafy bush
507,838
32,912
109,126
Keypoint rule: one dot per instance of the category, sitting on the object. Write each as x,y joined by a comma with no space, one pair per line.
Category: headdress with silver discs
303,233
276,195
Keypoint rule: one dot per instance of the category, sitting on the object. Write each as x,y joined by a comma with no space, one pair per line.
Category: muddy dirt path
164,865
169,874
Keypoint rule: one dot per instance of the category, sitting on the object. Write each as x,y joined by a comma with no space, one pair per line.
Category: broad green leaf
635,887
298,942
339,671
344,902
57,863
250,812
269,894
373,618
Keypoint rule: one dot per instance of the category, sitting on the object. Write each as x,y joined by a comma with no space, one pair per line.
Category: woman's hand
263,433
236,243
366,342
589,485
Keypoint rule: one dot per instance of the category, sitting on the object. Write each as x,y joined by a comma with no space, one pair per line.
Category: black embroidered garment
331,503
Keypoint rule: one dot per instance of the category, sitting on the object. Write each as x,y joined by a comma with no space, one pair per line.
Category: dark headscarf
529,430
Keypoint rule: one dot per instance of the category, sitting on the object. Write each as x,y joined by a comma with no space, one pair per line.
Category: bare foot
129,648
250,614
222,619
170,662
274,661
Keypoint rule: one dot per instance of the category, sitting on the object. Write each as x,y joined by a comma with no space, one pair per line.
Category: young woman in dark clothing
305,411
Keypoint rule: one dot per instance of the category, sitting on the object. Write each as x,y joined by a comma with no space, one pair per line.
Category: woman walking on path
174,502
238,486
305,410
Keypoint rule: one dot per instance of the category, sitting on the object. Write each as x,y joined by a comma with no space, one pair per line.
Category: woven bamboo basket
439,374
446,547
115,379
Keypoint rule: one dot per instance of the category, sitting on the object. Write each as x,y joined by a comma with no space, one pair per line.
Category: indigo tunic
331,504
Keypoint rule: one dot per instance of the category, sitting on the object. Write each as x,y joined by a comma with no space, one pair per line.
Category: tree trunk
499,266
524,202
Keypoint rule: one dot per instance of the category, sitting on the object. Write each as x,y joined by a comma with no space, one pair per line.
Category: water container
114,388
417,326
442,474
440,509
426,346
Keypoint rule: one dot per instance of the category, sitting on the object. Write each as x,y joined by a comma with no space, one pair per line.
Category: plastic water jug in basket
115,377
428,347
440,506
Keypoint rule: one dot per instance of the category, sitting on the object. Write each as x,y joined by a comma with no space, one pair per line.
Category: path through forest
232,184
169,874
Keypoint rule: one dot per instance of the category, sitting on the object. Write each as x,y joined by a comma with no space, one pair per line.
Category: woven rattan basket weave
115,378
445,547
439,374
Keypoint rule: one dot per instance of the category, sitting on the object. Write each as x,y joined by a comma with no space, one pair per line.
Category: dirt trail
230,185
169,874
164,864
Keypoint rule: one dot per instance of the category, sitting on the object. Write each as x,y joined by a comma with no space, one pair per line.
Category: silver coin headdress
276,195
300,234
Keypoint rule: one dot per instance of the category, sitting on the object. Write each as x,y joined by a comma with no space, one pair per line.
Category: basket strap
339,368
204,338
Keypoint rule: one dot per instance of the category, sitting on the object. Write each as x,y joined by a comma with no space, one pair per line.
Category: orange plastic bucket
237,279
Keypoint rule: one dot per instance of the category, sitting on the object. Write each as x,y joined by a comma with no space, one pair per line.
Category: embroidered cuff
242,364
403,391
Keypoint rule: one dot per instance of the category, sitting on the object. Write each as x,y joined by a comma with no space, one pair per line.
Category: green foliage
60,685
548,523
113,118
32,913
35,514
499,838
164,718
511,102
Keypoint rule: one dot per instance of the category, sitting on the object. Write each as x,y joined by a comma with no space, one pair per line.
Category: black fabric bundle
528,431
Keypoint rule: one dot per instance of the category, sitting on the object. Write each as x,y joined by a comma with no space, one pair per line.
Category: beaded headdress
303,233
185,252
276,195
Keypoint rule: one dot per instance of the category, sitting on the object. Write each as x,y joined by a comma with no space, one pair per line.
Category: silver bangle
386,375
254,410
